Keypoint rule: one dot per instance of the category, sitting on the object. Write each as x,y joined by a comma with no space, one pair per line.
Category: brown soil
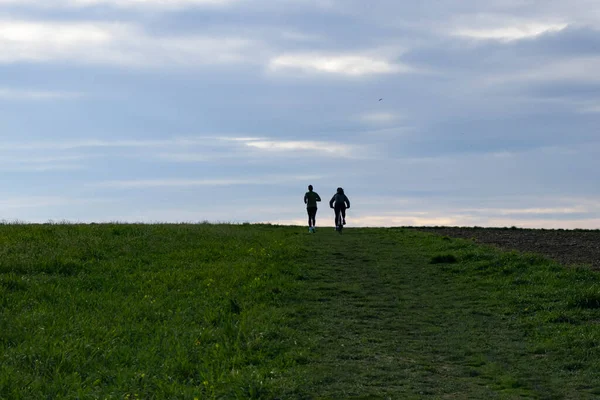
565,246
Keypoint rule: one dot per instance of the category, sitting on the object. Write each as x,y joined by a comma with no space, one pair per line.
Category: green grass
130,311
203,311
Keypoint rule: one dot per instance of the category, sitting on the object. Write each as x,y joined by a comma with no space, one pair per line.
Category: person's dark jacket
339,200
310,199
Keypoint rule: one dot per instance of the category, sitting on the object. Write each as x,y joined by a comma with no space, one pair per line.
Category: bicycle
339,219
341,204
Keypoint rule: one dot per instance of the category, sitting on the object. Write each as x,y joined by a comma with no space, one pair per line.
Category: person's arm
305,198
331,201
347,201
318,197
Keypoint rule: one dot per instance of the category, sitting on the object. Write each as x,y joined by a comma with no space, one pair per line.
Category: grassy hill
121,311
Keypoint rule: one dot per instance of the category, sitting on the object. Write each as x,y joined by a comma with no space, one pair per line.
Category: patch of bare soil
565,246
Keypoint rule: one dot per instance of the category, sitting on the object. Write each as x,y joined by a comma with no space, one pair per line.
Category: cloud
266,144
510,78
147,4
40,163
116,44
40,159
238,139
41,168
151,3
36,95
450,219
296,36
162,183
379,117
39,41
506,210
189,157
354,65
590,108
41,202
100,143
527,211
389,212
572,69
288,147
211,150
256,149
291,146
509,32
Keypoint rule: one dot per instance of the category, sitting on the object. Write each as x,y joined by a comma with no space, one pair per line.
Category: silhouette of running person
339,202
310,199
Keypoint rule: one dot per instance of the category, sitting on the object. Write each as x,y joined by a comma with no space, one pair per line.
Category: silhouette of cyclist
310,199
339,202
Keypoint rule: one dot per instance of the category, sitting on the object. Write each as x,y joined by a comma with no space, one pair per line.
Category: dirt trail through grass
385,323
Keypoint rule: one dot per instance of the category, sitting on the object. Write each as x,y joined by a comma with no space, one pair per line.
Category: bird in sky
380,99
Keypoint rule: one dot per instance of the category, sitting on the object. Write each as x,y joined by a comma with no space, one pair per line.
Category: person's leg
343,210
338,219
311,217
314,217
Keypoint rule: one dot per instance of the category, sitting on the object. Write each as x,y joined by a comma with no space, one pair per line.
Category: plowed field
565,246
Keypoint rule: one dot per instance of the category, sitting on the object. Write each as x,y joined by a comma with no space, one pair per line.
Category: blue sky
225,110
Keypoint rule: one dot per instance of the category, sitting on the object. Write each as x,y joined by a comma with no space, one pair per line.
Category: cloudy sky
225,110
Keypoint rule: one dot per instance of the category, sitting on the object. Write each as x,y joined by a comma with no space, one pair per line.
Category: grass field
115,311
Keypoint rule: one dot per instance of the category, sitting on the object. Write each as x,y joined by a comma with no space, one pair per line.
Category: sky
457,113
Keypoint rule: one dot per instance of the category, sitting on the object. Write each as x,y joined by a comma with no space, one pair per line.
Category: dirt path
384,323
